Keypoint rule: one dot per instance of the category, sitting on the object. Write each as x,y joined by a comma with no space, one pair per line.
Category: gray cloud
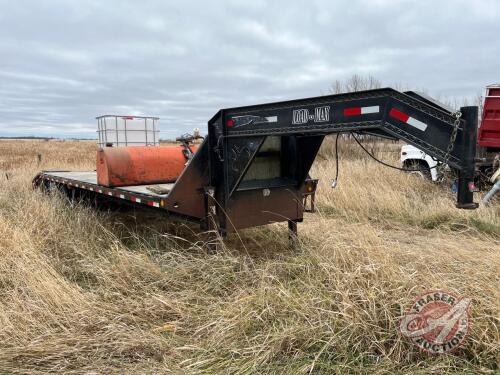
64,62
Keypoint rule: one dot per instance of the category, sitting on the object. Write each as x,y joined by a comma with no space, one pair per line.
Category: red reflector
472,187
399,115
352,111
230,123
150,203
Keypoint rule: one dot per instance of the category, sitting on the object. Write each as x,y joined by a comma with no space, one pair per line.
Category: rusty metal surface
126,166
263,206
187,195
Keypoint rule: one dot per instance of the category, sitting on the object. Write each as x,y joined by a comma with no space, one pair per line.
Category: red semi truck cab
489,128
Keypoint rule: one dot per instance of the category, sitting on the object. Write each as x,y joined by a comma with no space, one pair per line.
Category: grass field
86,291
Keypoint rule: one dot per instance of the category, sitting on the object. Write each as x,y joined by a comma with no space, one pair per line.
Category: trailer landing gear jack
465,195
292,234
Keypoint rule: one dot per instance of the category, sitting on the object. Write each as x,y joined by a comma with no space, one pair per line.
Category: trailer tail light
308,195
230,123
311,186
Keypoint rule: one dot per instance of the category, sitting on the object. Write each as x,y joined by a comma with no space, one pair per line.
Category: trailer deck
87,180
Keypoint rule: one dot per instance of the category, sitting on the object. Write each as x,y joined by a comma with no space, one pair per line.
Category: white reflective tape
417,124
138,200
100,191
91,188
110,193
156,204
373,109
122,196
272,119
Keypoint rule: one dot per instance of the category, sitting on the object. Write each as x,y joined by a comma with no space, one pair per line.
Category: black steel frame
235,135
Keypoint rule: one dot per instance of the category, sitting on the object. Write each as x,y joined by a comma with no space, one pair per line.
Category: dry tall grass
86,291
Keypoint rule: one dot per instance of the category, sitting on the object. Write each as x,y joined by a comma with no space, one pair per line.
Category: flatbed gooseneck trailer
253,167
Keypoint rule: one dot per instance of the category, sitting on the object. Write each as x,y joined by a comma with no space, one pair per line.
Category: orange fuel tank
140,165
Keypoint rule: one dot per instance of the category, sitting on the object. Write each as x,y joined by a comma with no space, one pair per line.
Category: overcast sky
64,62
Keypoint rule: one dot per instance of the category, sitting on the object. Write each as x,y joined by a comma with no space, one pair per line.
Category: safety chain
451,144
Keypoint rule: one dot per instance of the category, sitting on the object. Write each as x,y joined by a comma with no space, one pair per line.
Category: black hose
384,163
336,158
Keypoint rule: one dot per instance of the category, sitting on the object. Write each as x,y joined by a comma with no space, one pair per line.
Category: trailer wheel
418,168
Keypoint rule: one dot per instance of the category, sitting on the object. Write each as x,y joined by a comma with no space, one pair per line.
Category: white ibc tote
114,131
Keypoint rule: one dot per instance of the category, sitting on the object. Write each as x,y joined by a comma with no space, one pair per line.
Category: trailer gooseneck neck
252,168
236,135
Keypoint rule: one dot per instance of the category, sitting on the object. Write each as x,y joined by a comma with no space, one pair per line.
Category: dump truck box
489,130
